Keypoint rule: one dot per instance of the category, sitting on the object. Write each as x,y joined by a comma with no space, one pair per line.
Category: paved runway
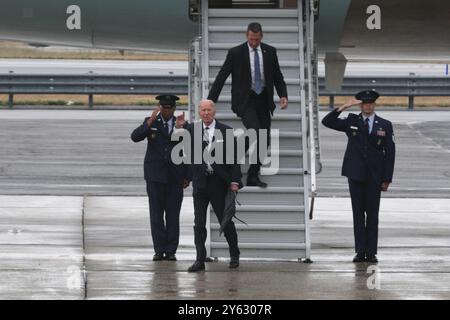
117,67
100,248
113,67
422,163
64,152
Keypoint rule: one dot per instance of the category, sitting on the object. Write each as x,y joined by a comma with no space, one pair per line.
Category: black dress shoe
359,258
234,262
197,266
254,181
372,258
170,257
158,257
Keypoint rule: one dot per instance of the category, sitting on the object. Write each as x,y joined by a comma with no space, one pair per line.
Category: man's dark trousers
365,204
257,116
165,197
215,193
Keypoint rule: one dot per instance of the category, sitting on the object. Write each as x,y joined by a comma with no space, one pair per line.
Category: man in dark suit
165,180
255,71
211,181
368,165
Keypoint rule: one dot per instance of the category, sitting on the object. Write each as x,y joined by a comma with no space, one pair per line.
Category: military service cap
367,96
167,100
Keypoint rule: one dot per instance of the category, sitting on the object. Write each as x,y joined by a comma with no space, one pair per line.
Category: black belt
253,94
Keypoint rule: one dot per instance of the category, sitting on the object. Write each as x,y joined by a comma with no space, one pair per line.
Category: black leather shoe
254,181
170,257
372,258
158,257
234,262
197,266
359,258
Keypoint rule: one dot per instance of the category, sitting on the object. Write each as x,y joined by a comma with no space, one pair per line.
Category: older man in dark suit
255,71
211,181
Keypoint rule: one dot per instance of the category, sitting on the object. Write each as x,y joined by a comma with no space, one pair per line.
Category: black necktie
166,128
209,169
206,135
366,124
258,82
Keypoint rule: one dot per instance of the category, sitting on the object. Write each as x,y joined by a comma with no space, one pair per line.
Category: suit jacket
237,63
366,153
227,172
158,166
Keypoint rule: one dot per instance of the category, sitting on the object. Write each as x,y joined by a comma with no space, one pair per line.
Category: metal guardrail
393,86
92,84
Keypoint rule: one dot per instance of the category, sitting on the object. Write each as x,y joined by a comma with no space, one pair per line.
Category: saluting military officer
165,180
368,165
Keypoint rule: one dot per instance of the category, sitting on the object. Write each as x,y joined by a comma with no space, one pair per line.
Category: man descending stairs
277,226
255,71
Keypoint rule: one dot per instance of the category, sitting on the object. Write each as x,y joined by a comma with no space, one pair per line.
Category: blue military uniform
164,181
368,162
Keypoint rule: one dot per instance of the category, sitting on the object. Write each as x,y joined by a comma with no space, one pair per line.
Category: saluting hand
284,103
350,103
180,121
153,116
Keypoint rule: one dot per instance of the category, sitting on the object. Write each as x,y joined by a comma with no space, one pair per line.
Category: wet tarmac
100,248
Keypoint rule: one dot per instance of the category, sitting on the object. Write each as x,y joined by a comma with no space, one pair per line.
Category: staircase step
263,227
280,120
291,71
286,177
293,90
271,208
269,37
274,217
283,64
253,13
251,213
276,99
285,51
263,250
254,3
261,233
293,108
287,158
243,30
289,82
271,195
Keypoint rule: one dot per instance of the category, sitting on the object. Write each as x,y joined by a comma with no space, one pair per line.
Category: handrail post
91,101
331,103
11,100
411,90
410,103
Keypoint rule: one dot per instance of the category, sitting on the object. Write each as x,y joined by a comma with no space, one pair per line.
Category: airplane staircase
277,217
